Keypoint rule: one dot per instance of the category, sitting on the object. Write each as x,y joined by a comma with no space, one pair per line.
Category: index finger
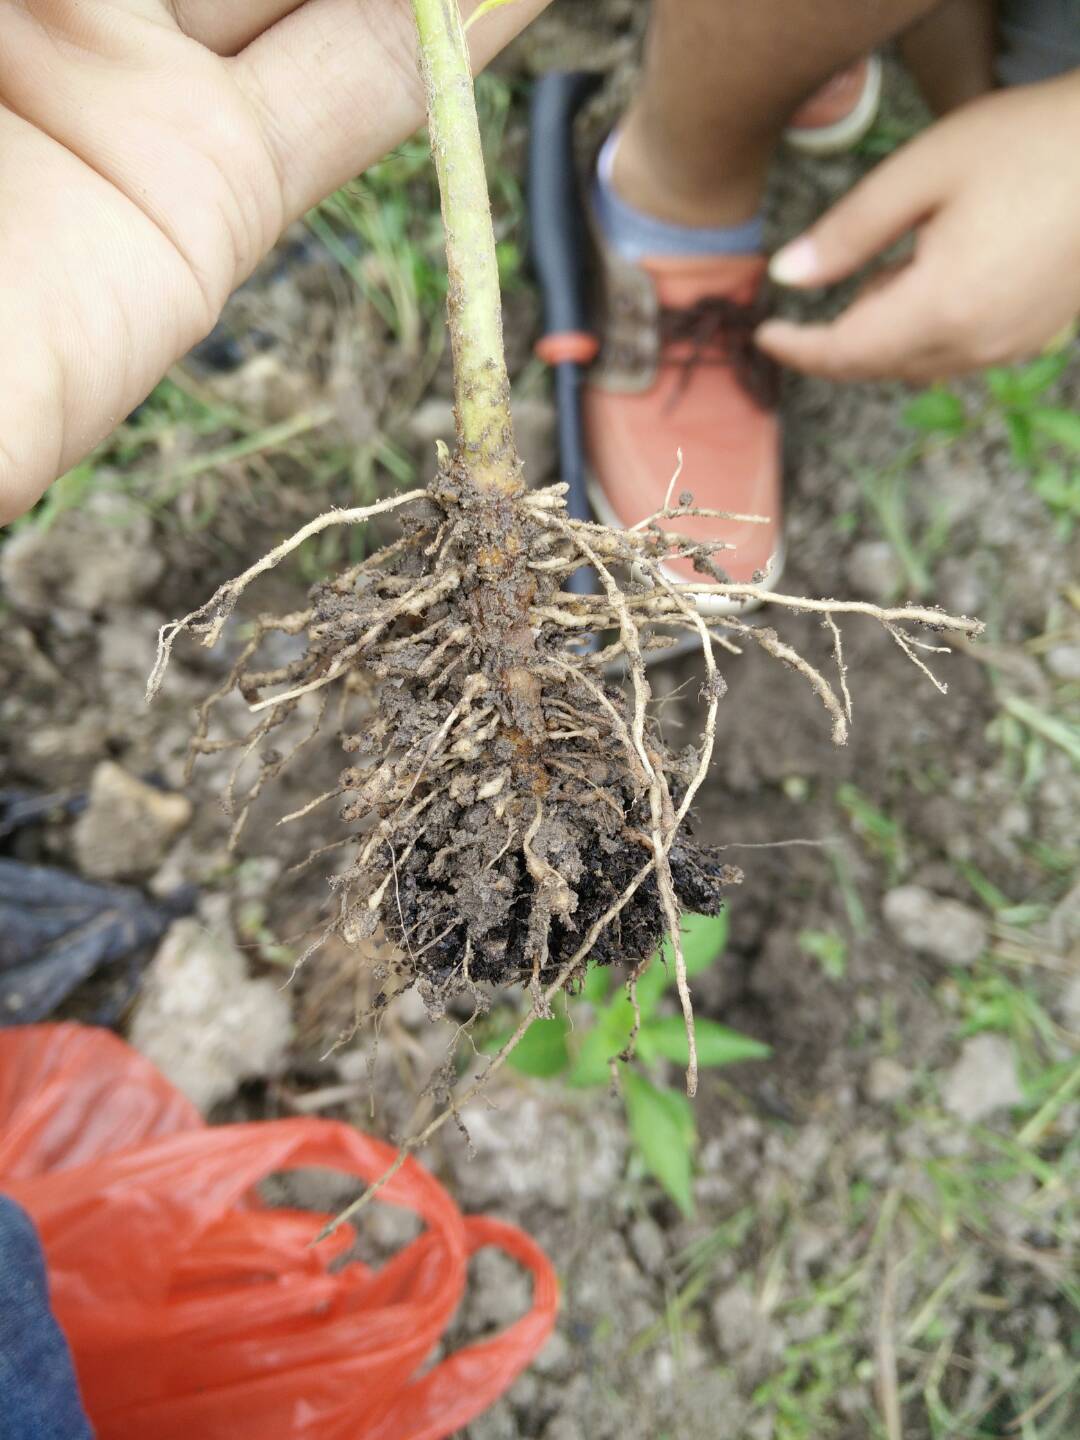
336,84
887,333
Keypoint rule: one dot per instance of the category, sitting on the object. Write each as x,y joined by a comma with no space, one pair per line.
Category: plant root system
514,812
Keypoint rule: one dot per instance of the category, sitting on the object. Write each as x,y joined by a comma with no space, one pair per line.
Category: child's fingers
890,201
335,85
885,333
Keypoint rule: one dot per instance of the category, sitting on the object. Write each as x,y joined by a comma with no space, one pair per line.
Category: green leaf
652,984
1060,426
936,411
542,1050
703,941
662,1124
828,948
597,984
716,1044
1024,383
1021,440
592,1064
1058,730
1059,490
600,1045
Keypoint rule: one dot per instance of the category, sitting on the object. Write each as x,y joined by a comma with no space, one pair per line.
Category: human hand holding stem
153,151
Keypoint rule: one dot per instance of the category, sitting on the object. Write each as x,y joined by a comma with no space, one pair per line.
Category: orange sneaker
679,371
838,115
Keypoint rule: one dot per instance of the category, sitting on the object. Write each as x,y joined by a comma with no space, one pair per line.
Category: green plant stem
474,307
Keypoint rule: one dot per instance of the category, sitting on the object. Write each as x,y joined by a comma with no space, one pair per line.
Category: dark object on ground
19,808
38,1390
557,245
55,930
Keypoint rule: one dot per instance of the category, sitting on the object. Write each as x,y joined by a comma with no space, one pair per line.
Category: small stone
983,1080
647,1245
203,1021
265,388
564,1427
522,1151
535,432
499,1291
869,1156
810,1247
496,1423
887,1081
94,557
1063,926
410,1009
127,826
431,421
556,1358
736,1319
1063,661
1070,1005
960,586
928,923
874,571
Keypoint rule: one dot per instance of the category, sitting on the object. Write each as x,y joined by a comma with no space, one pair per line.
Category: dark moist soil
842,1191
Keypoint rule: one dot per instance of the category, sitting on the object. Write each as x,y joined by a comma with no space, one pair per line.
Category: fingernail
795,264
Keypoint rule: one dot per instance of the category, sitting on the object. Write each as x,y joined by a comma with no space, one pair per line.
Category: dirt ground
886,1240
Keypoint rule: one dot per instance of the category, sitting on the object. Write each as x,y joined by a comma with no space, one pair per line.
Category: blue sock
635,235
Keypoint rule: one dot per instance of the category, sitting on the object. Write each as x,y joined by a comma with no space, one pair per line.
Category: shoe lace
720,331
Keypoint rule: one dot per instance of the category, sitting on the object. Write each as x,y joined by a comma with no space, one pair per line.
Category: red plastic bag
196,1313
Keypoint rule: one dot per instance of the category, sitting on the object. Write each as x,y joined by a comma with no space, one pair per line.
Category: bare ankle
650,174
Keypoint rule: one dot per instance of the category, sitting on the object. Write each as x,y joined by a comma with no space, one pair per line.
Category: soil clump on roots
518,815
501,791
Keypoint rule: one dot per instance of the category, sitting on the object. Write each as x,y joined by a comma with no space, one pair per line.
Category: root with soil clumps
516,813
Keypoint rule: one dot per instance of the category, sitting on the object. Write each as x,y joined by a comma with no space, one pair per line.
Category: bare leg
950,52
721,78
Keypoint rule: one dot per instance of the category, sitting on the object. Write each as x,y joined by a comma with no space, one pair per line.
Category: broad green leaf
617,1018
703,941
592,1063
652,984
1024,383
662,1125
1021,440
1059,490
937,411
1060,426
597,984
716,1044
542,1050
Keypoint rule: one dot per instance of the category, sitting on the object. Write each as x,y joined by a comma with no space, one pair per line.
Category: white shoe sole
845,134
709,606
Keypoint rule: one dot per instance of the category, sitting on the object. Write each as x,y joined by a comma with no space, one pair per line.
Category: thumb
900,194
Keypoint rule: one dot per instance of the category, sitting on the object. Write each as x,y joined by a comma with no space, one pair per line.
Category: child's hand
994,195
151,152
